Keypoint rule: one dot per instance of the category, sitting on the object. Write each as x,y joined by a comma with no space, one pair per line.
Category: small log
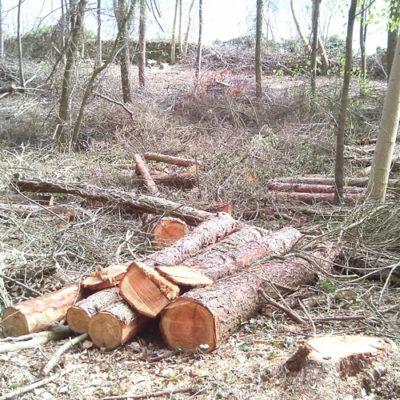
312,198
78,315
183,162
114,325
185,180
310,188
146,290
39,313
167,230
103,278
203,317
147,179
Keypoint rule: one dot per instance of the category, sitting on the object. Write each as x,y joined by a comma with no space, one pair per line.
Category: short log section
167,231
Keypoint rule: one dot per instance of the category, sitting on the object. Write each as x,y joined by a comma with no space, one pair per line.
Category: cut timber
114,325
146,290
312,198
310,188
184,276
103,278
78,315
128,201
39,313
206,316
167,230
147,179
183,162
324,180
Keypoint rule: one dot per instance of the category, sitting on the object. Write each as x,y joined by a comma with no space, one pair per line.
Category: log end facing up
189,326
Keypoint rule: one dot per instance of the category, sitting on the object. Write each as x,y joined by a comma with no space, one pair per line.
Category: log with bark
129,201
185,180
114,325
312,198
144,172
183,162
78,315
39,313
310,188
166,231
202,318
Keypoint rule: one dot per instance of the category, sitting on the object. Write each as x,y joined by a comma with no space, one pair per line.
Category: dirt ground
242,145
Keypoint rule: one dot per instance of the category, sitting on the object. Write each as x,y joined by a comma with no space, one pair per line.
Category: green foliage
335,46
327,286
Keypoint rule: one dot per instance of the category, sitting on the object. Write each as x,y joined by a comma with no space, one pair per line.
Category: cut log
312,198
78,315
203,317
310,188
103,278
183,162
39,313
167,230
114,325
144,172
128,201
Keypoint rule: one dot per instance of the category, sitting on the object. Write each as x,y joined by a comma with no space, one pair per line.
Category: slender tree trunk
173,40
180,26
339,163
21,66
77,16
324,58
1,33
258,65
387,134
314,47
186,40
142,44
393,33
200,41
99,42
299,31
363,32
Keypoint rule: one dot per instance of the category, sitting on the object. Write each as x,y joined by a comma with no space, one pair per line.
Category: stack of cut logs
201,288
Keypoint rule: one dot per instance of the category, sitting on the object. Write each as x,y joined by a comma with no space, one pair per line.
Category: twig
292,315
189,389
64,348
42,382
163,356
341,318
388,280
308,315
20,284
115,102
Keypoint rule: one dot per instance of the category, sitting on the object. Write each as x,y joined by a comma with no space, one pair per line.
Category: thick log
103,278
183,162
166,231
310,188
325,180
129,201
203,317
39,313
312,198
144,172
114,325
78,315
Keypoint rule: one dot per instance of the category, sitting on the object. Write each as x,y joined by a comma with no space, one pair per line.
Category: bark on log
183,162
312,198
144,172
114,325
131,202
78,315
39,313
324,180
166,231
203,317
310,188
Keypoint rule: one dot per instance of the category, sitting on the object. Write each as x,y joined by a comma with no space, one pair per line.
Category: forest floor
243,144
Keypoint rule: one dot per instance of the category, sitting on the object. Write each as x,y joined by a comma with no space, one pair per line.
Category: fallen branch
109,99
183,162
147,179
191,389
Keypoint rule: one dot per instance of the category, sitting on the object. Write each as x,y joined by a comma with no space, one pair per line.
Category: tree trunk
78,315
180,26
142,44
202,318
363,38
1,32
99,41
258,65
388,128
173,41
37,314
200,41
114,325
147,179
21,65
324,58
314,47
339,162
166,231
128,201
393,33
299,30
186,40
183,162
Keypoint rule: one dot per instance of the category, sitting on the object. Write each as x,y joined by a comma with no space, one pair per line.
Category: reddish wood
203,317
311,198
185,180
38,313
114,325
225,206
310,188
167,230
78,315
183,162
147,179
103,278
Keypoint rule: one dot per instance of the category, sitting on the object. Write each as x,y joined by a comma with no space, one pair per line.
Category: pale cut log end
77,319
167,231
189,326
14,323
184,276
103,278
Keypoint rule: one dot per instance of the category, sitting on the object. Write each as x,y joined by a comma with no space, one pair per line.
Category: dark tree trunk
258,48
314,46
200,41
21,65
142,44
99,42
173,39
